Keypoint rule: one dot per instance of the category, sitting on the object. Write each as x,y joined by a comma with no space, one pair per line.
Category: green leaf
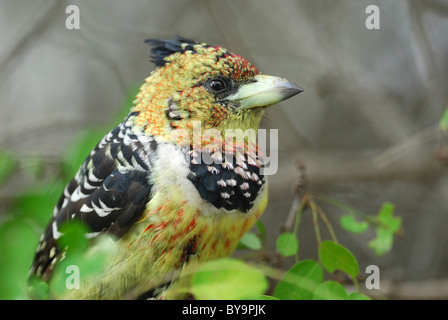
349,223
444,120
18,241
388,225
7,164
336,257
382,242
250,241
387,219
73,236
227,279
287,244
358,296
37,204
262,230
300,282
330,290
38,289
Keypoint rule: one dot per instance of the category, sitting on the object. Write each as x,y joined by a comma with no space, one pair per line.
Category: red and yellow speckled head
198,83
178,93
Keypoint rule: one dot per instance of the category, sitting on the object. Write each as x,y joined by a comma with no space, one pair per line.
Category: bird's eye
217,85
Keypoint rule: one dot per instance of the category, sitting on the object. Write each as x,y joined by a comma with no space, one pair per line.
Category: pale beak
264,91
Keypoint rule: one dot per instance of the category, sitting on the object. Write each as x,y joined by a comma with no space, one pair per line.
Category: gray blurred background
366,126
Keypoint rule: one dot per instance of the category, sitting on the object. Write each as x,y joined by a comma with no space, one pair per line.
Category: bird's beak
264,91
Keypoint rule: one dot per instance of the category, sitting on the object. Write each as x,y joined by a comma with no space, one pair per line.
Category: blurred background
366,128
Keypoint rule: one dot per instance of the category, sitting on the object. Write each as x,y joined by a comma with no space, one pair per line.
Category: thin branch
327,223
400,150
299,203
289,224
346,208
298,215
31,35
315,222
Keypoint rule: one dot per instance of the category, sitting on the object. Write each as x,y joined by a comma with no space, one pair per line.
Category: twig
399,150
315,222
327,223
292,216
36,29
347,208
299,203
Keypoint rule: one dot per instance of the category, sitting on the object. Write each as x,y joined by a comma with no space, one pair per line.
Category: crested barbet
178,181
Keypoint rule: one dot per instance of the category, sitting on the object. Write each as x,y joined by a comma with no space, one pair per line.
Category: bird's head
197,86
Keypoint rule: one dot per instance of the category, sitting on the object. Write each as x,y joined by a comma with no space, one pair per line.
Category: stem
315,221
355,281
290,220
344,207
299,212
297,223
327,223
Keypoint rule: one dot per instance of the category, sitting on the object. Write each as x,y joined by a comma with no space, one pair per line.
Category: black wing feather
108,194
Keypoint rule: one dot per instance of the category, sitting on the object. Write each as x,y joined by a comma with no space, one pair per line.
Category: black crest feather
162,48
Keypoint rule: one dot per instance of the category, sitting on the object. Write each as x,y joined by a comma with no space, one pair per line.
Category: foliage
28,213
227,279
306,279
287,244
444,120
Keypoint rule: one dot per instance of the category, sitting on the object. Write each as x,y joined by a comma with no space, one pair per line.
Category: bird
178,181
